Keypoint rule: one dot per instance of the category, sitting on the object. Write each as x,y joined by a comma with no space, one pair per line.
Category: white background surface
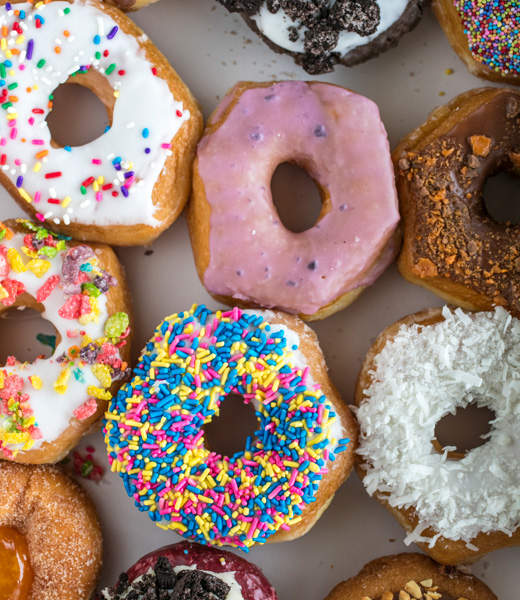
212,50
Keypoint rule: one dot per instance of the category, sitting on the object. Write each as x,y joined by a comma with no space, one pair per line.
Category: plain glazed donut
278,486
484,33
457,508
451,246
50,520
243,253
180,567
49,404
130,184
410,576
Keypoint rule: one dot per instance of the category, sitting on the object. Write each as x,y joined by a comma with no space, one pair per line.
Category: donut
243,254
47,405
410,576
125,187
182,568
274,489
451,245
50,537
456,507
321,34
484,33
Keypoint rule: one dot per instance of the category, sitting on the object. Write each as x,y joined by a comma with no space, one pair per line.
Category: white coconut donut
420,370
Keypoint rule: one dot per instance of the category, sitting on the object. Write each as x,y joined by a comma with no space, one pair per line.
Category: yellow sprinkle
66,201
39,266
104,374
60,385
15,260
37,167
12,116
98,393
36,382
3,292
25,195
20,39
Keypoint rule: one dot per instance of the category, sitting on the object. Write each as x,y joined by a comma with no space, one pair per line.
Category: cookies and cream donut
321,33
278,486
47,405
243,253
129,184
451,245
50,536
406,576
484,33
188,570
422,368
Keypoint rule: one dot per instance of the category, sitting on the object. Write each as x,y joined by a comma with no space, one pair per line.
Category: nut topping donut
451,245
484,33
49,404
457,508
243,253
324,33
182,568
125,187
410,576
279,485
50,537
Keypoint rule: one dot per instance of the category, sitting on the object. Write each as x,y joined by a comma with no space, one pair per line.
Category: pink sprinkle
17,162
99,196
96,161
166,145
13,133
3,142
37,197
40,217
31,120
38,142
21,67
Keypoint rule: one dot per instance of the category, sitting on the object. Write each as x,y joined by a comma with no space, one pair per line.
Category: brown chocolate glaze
453,236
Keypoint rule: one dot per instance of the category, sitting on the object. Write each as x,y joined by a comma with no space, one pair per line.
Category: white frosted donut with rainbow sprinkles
278,486
129,184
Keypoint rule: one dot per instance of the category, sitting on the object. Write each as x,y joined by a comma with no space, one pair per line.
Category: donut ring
463,526
130,184
242,252
238,500
488,50
387,577
47,405
451,245
245,580
60,526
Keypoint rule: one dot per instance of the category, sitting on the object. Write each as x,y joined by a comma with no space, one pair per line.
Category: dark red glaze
253,582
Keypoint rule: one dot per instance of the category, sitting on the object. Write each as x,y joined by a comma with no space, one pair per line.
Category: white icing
420,377
144,102
276,27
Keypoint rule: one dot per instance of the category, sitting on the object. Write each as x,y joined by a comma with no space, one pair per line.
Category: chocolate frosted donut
321,33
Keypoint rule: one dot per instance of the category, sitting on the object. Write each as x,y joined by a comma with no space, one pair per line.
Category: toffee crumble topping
162,583
425,590
322,23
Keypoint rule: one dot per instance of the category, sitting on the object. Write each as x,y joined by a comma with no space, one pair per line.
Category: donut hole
82,109
466,429
26,335
296,197
501,197
227,434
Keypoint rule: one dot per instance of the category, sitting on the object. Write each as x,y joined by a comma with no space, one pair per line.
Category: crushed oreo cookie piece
166,577
247,7
197,585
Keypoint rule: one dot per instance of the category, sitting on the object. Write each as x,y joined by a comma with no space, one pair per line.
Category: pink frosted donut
243,252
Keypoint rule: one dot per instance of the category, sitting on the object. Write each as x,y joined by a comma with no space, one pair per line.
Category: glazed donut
50,537
130,184
484,33
47,405
451,245
456,507
278,486
181,567
348,32
242,251
410,576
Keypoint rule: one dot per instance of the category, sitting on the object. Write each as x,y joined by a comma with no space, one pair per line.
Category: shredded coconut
422,375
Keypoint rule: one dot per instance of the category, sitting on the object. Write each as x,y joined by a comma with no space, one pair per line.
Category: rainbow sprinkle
493,31
155,440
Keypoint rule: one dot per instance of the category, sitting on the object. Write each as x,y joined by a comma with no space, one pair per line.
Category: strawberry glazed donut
242,251
129,184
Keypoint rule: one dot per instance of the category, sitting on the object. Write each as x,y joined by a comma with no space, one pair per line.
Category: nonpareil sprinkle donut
128,185
422,368
278,486
244,254
47,405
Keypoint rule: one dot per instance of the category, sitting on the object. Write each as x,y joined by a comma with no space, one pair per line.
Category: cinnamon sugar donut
410,576
50,537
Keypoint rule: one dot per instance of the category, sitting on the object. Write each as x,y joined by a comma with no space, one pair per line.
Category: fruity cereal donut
125,187
484,33
243,253
49,404
278,486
